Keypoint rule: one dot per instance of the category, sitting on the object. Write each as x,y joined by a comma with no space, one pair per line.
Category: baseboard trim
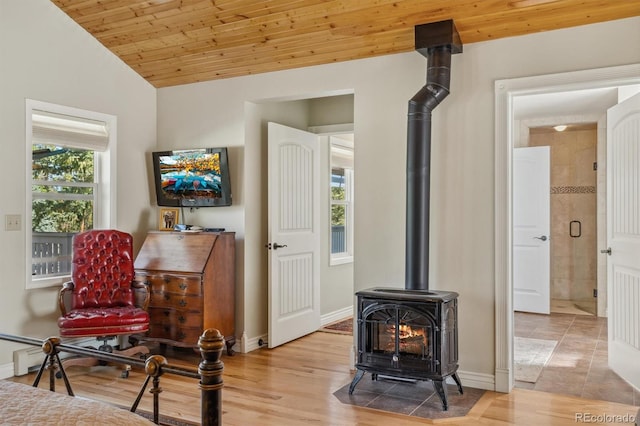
251,344
336,315
477,380
504,382
6,371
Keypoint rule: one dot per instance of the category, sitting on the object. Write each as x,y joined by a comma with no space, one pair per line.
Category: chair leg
133,350
79,361
141,350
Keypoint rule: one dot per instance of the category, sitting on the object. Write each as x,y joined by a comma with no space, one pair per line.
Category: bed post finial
211,344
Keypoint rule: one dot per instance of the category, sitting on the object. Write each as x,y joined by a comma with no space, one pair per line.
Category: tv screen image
192,177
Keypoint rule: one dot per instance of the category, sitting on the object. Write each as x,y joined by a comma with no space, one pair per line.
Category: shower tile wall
573,198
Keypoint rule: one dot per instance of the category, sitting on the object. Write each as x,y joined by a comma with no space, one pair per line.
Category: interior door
623,236
294,239
531,226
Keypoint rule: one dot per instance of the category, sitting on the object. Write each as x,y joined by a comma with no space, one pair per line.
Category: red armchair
103,299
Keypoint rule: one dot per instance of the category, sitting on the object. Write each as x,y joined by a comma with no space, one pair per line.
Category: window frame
104,180
335,142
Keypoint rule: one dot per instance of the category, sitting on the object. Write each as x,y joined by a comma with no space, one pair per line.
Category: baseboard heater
29,359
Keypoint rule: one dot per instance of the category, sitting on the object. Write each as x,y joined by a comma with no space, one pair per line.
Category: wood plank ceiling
172,42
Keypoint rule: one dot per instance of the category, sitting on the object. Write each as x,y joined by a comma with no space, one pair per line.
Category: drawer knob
183,286
183,303
167,297
182,319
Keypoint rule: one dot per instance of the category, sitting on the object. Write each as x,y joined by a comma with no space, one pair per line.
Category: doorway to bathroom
575,137
546,100
573,214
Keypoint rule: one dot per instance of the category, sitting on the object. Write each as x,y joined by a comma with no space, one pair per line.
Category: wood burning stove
413,332
408,334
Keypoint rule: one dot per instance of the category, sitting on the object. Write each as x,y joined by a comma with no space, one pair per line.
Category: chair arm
141,291
68,286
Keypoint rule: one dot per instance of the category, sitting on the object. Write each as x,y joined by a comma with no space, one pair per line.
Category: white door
623,236
531,226
294,240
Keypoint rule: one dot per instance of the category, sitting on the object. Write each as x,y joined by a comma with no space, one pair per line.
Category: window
69,152
341,199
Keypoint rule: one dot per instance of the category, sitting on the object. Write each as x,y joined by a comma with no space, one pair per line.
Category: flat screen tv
192,177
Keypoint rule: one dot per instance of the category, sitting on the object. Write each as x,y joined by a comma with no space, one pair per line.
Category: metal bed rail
209,371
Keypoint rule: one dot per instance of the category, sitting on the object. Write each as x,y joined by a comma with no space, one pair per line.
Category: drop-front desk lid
176,251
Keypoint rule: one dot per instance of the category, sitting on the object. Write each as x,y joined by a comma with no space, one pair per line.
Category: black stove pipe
437,41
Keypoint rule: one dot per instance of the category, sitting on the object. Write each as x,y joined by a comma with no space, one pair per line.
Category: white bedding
22,404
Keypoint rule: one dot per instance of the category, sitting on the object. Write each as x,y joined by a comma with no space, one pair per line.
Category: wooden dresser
191,279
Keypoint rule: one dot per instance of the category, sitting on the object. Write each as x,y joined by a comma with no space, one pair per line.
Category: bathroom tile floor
578,365
572,307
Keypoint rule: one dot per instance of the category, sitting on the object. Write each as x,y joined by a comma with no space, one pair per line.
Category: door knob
607,251
275,246
543,238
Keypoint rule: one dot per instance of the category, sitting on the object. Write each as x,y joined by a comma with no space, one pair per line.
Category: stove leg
457,380
355,381
442,393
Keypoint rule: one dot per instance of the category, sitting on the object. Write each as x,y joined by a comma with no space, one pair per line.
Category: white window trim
105,172
344,257
328,131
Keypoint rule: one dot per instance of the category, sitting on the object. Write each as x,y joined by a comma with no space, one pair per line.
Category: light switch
12,222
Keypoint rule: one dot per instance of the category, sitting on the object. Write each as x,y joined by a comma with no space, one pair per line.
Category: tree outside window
63,189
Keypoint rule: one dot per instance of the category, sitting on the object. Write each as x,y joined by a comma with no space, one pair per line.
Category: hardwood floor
294,385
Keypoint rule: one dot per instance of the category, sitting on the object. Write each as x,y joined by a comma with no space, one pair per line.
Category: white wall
463,158
47,57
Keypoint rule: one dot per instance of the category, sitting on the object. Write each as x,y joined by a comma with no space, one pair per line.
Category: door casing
505,91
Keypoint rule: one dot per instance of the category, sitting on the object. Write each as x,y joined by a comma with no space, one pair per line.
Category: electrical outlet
12,222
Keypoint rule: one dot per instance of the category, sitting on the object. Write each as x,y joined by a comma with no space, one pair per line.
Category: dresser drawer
184,284
163,316
176,301
180,336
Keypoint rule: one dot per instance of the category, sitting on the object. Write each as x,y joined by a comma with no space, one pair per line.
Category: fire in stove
411,340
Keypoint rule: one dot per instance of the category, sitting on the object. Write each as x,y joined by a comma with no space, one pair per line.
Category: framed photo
168,218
